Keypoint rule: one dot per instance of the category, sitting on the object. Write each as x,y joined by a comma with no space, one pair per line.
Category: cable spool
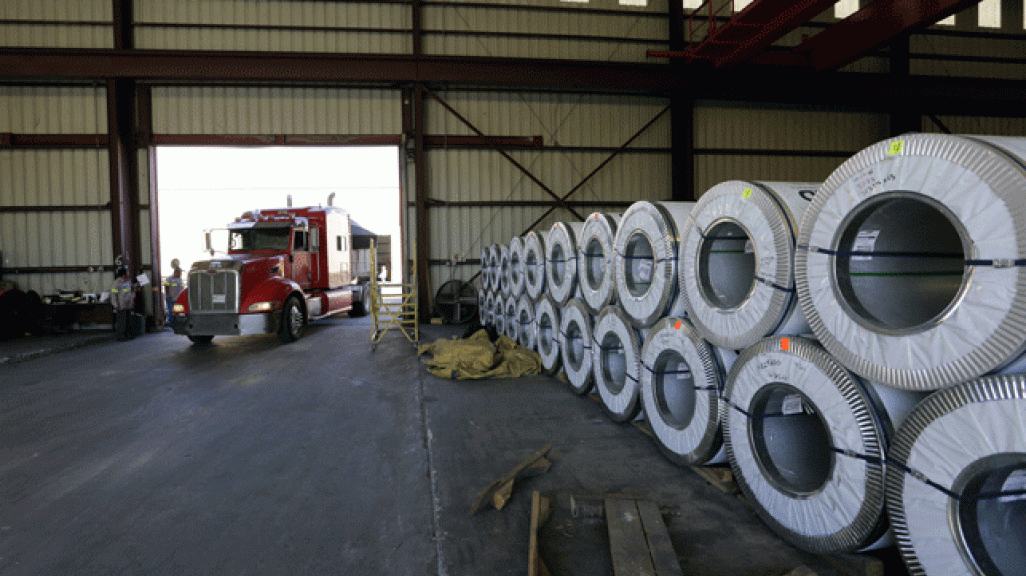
547,321
509,311
561,260
616,362
494,263
956,486
737,255
534,263
646,260
910,259
681,381
527,328
503,271
575,341
595,273
516,266
806,441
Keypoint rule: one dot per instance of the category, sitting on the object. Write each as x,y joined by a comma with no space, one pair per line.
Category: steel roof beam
762,23
872,26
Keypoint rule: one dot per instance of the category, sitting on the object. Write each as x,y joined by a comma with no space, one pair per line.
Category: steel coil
616,363
646,252
547,322
956,483
534,263
561,260
910,265
681,381
737,261
575,336
527,327
595,261
806,441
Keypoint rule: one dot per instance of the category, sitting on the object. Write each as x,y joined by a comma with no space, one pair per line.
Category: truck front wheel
360,305
291,326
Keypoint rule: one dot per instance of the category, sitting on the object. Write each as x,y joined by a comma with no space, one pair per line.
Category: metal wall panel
576,32
280,26
795,131
55,178
987,52
57,24
983,125
273,110
53,110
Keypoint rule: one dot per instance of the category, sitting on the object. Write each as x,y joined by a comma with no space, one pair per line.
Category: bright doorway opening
205,187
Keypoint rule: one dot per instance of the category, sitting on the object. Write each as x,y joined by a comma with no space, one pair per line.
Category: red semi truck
284,267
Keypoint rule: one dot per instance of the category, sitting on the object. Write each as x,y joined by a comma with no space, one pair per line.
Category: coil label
895,148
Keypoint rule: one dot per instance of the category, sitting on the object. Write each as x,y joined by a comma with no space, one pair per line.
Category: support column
905,115
682,115
414,120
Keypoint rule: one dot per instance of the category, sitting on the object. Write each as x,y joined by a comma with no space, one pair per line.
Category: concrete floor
155,456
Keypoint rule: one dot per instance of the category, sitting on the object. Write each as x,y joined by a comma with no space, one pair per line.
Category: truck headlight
178,308
263,306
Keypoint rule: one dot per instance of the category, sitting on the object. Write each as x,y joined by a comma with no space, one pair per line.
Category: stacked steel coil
851,348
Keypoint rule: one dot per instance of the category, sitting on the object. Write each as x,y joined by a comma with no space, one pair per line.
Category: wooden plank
539,513
722,478
486,494
664,559
627,544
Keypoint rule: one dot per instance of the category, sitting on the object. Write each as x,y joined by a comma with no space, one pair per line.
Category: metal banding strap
989,262
665,372
774,285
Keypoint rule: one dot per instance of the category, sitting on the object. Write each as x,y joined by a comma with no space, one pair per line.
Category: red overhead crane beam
762,23
878,22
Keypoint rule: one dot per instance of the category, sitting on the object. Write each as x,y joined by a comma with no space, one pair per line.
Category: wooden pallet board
639,542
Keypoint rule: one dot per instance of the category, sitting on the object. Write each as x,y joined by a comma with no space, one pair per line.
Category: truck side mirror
210,247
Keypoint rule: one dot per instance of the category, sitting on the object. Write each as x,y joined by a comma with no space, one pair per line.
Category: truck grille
214,292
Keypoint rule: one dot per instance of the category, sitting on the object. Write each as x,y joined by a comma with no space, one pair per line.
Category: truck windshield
251,239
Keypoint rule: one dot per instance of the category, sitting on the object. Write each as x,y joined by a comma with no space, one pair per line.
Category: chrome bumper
226,324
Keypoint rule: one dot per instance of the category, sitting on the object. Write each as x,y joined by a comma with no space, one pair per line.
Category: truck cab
283,267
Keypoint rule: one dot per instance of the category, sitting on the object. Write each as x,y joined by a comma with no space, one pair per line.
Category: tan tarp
477,357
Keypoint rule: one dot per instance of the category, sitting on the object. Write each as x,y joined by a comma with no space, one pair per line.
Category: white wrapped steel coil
646,252
910,263
737,261
505,287
509,311
681,381
806,441
595,261
534,263
516,267
494,261
547,322
575,341
616,363
956,480
499,313
561,260
487,309
527,327
486,269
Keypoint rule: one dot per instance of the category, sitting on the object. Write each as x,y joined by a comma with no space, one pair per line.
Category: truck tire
291,326
359,306
201,339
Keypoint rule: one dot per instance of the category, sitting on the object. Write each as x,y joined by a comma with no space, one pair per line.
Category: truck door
316,265
301,272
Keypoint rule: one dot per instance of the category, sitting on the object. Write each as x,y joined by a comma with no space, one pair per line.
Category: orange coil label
785,344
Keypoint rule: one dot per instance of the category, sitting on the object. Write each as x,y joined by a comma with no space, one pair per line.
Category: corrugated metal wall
274,25
806,137
275,110
55,178
532,29
57,24
579,132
